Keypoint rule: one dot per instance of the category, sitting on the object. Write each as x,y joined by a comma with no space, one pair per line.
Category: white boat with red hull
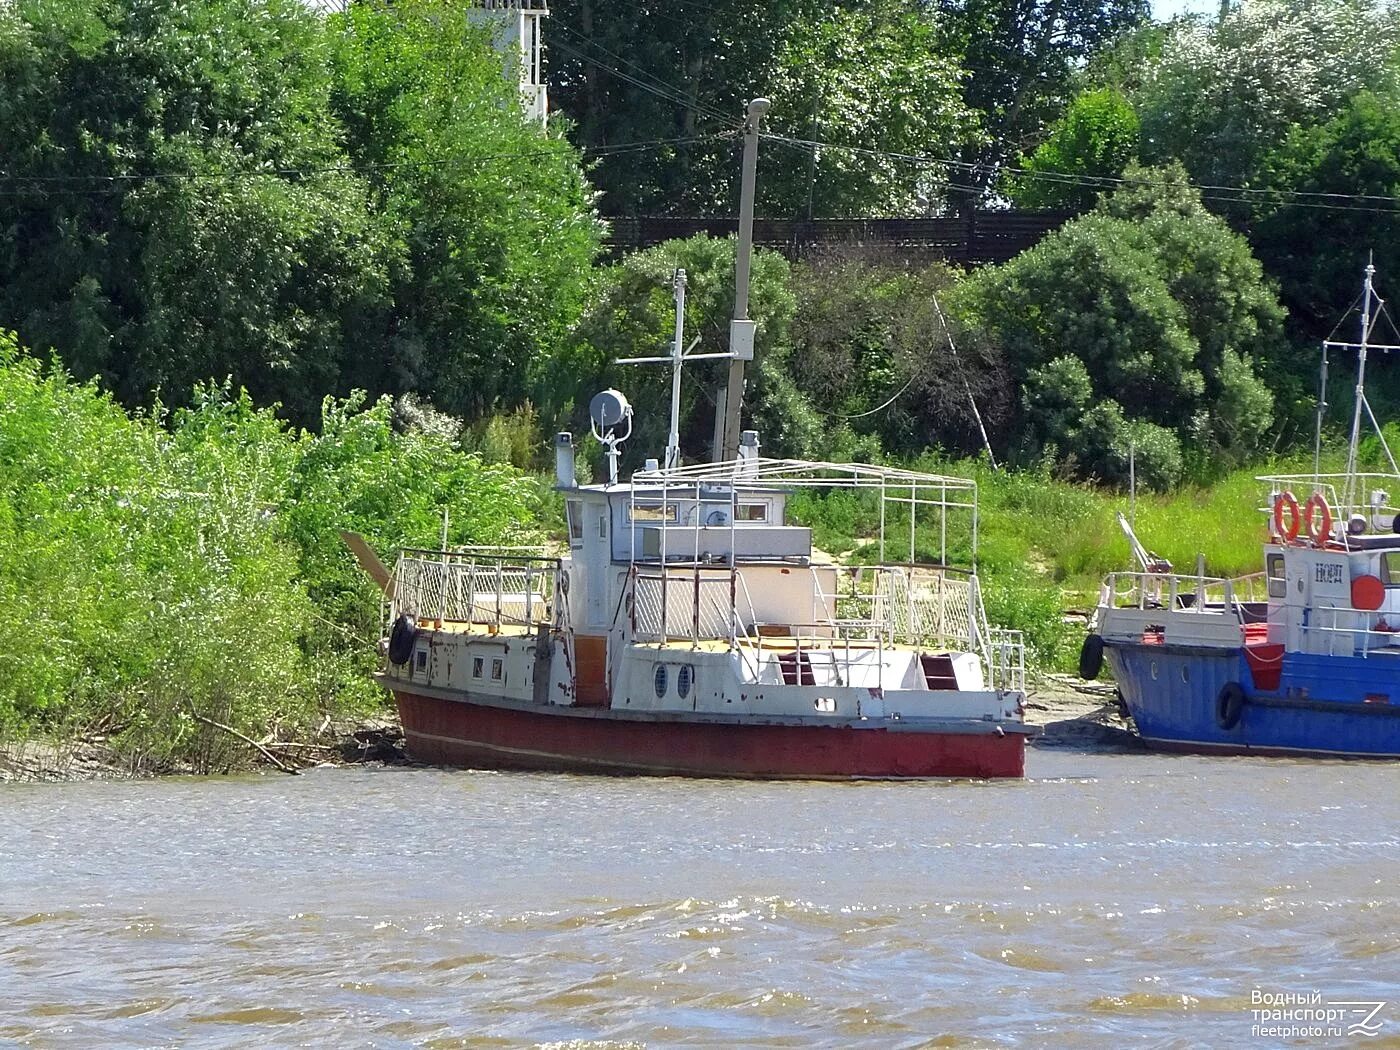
692,630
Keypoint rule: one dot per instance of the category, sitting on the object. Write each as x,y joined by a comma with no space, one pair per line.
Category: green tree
1218,96
878,359
1022,58
492,214
1318,253
1095,140
870,81
873,75
627,72
1165,310
148,232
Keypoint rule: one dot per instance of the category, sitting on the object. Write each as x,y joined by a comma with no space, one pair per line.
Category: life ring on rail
1317,515
401,639
1091,657
1286,501
1229,705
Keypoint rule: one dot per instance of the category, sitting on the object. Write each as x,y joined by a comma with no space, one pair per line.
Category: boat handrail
1361,633
492,590
1147,590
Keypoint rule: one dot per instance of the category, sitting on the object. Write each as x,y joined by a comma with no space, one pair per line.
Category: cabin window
498,669
1278,587
825,705
602,526
668,512
685,675
574,510
751,512
1390,570
478,666
420,660
659,681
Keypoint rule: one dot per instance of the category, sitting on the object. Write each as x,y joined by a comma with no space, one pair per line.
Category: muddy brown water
1109,900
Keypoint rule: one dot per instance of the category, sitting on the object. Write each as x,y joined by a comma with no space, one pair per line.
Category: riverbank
1074,714
92,757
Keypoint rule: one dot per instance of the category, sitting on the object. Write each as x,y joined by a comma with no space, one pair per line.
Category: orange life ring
1319,528
1287,501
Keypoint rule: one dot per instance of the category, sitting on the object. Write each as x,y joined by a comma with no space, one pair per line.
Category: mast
1360,379
741,329
673,439
1371,307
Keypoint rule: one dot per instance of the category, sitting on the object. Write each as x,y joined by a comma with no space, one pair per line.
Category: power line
1208,191
641,71
62,184
669,94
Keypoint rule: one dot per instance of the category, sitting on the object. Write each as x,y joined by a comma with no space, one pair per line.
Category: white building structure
515,29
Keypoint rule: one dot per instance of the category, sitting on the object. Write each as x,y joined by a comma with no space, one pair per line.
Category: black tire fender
1091,657
1229,705
401,639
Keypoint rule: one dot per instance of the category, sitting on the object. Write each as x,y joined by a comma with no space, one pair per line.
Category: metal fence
974,238
480,588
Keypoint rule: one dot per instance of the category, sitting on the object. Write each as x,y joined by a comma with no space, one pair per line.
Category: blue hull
1324,705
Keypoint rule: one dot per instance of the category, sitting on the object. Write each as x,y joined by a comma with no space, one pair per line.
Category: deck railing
476,587
876,606
1346,631
689,605
1152,590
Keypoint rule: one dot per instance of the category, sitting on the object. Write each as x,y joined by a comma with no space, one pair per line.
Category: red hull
460,733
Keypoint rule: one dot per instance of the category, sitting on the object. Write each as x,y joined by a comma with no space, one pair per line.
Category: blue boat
1300,659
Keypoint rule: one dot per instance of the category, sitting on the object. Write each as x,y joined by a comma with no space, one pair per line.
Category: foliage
878,358
492,215
241,188
146,234
1164,309
864,79
1218,96
1095,139
167,570
1022,58
1357,151
629,73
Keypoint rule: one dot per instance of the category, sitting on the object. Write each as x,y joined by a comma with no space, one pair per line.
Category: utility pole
741,329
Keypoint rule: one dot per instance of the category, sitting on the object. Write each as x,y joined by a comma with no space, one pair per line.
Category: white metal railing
1345,494
1151,590
1349,632
811,658
474,587
1006,659
688,605
884,606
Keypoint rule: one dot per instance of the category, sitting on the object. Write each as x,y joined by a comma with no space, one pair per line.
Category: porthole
684,674
1154,670
659,681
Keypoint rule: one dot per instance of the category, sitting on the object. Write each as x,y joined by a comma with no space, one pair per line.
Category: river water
1109,900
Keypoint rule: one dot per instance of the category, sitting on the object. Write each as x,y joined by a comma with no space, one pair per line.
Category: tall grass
160,574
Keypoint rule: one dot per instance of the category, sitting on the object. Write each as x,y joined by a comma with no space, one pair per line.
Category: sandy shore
1079,715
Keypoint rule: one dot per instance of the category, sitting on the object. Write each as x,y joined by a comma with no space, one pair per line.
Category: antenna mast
676,358
1370,301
